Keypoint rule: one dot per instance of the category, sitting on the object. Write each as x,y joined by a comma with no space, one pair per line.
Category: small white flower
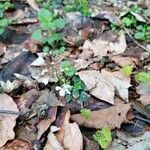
57,88
62,92
65,89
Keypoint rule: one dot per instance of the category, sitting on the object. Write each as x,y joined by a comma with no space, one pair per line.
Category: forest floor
74,75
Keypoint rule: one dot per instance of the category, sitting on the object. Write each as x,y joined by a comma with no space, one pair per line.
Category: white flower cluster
64,89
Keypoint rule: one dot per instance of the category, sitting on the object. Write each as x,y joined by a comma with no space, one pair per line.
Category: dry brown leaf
52,143
70,135
120,81
17,144
98,85
101,46
82,64
44,124
25,100
112,117
122,61
7,121
33,4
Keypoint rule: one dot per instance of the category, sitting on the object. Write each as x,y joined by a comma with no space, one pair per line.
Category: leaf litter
34,115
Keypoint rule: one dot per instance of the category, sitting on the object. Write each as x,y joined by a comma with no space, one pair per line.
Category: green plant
86,113
133,20
68,69
103,137
70,85
78,5
4,22
127,70
143,77
49,34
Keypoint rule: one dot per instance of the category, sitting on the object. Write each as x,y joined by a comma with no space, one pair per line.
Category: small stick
9,112
135,40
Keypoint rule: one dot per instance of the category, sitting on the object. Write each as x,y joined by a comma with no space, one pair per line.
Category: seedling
70,85
49,34
141,29
103,137
86,113
127,70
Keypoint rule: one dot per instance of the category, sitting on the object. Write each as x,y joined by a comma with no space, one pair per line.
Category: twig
9,112
125,29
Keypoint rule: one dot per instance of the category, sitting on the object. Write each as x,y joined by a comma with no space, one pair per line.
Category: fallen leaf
101,46
120,81
17,65
18,144
122,61
7,121
44,124
98,85
52,143
124,141
33,4
25,100
81,63
111,117
45,71
9,86
144,91
70,135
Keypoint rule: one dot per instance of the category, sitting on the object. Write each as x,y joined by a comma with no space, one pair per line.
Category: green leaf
68,98
46,49
103,137
68,69
84,97
37,35
143,77
86,113
55,37
127,70
4,22
147,12
1,30
139,36
1,14
45,17
59,23
107,133
75,93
